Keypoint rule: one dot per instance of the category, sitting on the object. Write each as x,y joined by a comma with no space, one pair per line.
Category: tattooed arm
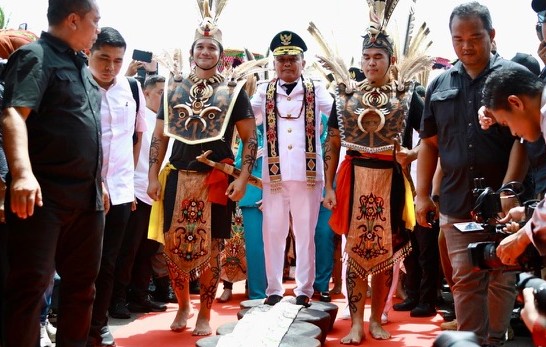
249,140
332,147
158,148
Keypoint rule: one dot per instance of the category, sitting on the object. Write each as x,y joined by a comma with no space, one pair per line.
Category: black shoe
325,296
107,337
303,300
423,310
119,310
406,305
272,300
449,315
145,305
163,290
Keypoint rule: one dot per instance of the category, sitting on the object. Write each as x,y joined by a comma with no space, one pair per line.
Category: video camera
526,280
487,202
487,206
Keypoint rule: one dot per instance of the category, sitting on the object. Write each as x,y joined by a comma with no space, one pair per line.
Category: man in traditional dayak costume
372,203
193,204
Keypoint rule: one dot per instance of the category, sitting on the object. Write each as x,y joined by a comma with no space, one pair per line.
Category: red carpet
153,329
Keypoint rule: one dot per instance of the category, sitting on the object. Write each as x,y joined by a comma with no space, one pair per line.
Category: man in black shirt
201,112
450,130
55,201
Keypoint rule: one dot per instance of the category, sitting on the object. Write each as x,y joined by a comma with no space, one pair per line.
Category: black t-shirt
466,150
183,155
64,124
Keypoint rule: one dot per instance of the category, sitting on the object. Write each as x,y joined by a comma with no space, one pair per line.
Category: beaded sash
273,161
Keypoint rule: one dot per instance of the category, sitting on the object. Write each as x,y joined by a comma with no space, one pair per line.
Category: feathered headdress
376,34
172,61
249,68
329,59
208,28
413,62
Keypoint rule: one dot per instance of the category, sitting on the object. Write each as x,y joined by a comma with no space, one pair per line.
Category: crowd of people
105,194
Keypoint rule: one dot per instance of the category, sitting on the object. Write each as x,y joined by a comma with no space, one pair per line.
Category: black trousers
423,265
134,266
114,231
68,241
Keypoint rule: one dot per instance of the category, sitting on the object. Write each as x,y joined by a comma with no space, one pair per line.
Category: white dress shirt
118,112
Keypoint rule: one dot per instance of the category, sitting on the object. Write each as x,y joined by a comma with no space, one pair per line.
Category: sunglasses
541,17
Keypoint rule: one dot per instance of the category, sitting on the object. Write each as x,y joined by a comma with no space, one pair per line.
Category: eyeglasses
541,17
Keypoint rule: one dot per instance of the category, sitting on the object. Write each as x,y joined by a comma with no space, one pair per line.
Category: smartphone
143,56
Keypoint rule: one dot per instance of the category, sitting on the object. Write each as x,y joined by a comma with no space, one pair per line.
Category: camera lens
490,259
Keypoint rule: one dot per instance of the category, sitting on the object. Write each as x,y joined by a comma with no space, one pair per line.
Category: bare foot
355,336
336,289
226,296
202,327
377,331
180,321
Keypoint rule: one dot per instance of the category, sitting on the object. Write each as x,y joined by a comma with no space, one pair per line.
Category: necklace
289,115
217,78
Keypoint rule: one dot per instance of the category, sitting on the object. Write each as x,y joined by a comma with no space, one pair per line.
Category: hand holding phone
143,56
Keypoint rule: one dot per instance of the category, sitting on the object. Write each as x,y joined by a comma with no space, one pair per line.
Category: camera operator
534,320
514,98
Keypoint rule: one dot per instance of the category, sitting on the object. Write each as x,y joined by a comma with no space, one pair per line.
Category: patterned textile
233,257
373,242
199,111
372,118
188,242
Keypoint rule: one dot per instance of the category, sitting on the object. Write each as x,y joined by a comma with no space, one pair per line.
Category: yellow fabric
409,208
155,228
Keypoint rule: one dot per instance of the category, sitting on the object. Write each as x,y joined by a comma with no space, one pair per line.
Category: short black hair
109,36
58,10
152,80
502,83
472,9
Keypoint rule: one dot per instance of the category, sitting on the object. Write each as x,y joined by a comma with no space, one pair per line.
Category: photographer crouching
516,98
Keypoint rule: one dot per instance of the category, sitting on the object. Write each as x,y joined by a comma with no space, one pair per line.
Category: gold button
289,146
289,130
288,98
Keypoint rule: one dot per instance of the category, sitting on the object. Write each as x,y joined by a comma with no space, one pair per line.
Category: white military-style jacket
291,128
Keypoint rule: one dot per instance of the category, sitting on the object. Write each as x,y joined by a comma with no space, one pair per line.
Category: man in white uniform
291,107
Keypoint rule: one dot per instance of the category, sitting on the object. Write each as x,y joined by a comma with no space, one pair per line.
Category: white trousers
303,203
